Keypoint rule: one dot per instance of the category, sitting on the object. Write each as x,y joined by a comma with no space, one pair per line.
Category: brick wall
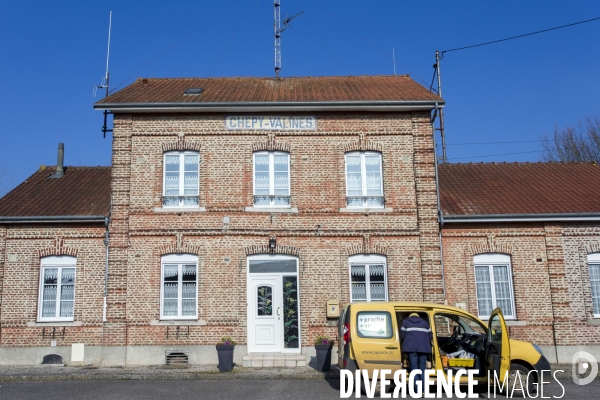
323,235
548,260
21,249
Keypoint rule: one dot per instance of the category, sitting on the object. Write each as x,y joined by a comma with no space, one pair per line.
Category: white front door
273,306
264,311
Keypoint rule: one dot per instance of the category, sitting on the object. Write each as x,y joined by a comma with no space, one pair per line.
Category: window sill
513,322
594,321
179,209
180,322
367,210
54,323
291,210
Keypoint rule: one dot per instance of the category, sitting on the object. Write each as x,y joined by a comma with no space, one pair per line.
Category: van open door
497,357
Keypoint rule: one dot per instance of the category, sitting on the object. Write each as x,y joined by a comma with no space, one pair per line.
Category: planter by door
323,356
225,353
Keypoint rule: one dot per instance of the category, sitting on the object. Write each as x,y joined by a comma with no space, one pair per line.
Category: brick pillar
2,263
562,318
115,329
424,166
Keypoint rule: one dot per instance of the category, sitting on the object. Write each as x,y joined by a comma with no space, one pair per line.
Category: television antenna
104,82
278,31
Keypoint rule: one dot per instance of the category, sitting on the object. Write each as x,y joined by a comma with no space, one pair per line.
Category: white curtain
502,289
595,283
484,290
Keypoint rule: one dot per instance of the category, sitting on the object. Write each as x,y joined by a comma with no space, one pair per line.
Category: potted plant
225,352
323,345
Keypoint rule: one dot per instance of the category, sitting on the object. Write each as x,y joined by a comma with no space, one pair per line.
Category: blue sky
53,53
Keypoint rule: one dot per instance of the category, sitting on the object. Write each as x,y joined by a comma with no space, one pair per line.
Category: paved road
263,389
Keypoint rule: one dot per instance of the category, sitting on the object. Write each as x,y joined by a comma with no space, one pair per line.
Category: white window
180,181
179,287
364,183
57,288
368,278
594,264
493,282
271,179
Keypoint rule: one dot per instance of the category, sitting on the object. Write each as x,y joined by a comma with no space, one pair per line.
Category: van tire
529,387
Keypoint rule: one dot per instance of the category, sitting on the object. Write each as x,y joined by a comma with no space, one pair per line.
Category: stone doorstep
271,360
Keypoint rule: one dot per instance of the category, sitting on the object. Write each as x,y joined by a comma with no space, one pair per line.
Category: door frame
279,290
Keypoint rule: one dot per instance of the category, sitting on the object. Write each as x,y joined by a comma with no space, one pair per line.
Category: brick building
240,206
52,232
526,237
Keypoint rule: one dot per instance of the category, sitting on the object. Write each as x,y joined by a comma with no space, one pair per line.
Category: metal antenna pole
277,6
394,60
438,57
107,76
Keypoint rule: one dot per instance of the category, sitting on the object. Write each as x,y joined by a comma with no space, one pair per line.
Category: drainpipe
106,221
439,209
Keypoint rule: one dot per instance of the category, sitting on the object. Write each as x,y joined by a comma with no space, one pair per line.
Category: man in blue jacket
416,337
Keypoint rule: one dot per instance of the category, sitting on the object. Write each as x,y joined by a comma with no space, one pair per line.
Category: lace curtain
59,286
176,276
484,290
595,283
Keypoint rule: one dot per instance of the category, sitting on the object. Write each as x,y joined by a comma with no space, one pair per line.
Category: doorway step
270,360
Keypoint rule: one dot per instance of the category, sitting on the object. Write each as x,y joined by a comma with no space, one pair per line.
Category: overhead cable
520,36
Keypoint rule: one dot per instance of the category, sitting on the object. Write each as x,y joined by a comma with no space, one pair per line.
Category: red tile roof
82,191
519,188
304,89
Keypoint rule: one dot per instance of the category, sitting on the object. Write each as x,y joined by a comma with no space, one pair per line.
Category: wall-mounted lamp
272,244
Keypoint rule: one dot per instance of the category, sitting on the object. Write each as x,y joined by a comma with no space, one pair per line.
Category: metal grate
177,357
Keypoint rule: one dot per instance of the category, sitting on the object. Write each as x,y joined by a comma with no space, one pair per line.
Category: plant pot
225,353
323,356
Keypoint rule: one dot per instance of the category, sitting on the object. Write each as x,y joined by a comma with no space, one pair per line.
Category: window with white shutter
493,284
271,179
57,288
364,180
368,278
179,287
180,179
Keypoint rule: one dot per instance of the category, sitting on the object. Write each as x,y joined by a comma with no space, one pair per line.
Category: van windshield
445,324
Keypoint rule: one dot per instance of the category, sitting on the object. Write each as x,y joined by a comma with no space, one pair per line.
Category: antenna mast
278,30
277,37
438,57
104,84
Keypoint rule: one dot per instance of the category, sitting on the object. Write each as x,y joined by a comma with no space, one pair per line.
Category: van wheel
517,375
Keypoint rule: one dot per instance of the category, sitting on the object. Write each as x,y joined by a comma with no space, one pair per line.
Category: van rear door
375,339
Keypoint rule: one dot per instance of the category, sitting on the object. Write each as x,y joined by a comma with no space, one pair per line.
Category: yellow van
369,336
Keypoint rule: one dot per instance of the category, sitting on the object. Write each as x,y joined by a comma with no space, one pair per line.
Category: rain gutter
272,106
53,219
547,217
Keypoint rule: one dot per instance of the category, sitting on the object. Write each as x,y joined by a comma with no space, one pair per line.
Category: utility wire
175,44
369,42
520,36
321,39
517,141
494,155
231,40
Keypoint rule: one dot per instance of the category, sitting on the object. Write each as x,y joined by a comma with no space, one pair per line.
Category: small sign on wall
270,123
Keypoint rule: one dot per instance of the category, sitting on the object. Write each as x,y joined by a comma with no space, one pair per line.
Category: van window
374,324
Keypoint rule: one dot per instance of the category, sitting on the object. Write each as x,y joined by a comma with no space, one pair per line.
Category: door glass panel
264,304
267,266
495,330
290,313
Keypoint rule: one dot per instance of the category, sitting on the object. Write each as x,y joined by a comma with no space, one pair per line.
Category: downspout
439,209
106,222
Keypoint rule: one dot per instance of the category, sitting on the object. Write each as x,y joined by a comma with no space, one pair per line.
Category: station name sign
237,122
